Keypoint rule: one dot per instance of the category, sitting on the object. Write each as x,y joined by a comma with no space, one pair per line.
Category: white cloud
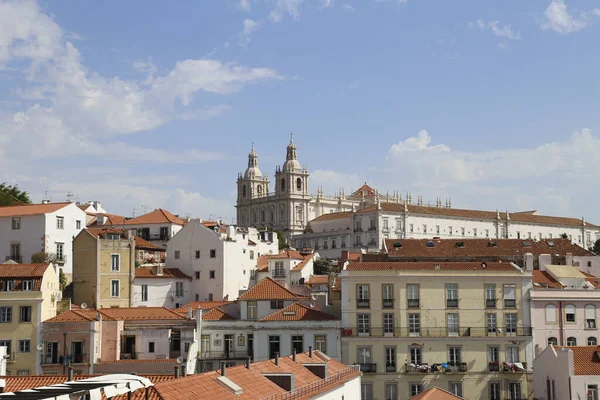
354,85
348,7
505,31
249,27
421,142
244,5
205,113
146,66
327,3
283,7
559,20
596,11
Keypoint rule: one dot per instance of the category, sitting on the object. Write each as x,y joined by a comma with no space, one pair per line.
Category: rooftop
167,273
205,305
21,210
23,270
118,314
586,359
268,289
298,312
157,216
432,266
435,393
564,272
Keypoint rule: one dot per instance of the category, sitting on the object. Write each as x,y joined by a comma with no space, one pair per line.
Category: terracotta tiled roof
268,289
318,279
168,273
585,359
251,243
431,266
216,314
119,314
298,312
96,231
302,375
287,254
158,216
435,393
449,248
300,266
593,279
543,278
148,361
141,243
21,210
262,263
205,305
369,191
23,270
335,215
87,315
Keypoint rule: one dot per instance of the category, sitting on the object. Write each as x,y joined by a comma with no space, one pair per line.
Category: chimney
190,312
70,374
128,234
45,201
223,369
310,351
569,259
158,269
294,355
176,371
183,371
248,363
100,219
528,258
277,358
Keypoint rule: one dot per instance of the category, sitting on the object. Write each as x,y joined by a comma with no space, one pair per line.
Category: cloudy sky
156,104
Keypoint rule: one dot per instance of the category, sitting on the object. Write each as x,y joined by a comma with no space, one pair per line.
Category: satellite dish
312,304
314,296
40,347
83,306
180,360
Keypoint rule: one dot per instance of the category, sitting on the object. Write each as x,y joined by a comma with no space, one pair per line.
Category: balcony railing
65,360
456,367
490,303
225,355
510,303
390,367
514,367
278,274
451,303
362,303
435,368
368,368
61,259
413,303
388,303
494,367
434,332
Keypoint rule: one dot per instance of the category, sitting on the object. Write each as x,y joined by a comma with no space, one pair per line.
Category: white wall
155,229
348,391
71,214
161,292
555,366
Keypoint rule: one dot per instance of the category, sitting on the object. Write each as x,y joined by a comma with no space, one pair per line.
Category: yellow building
28,296
103,267
460,326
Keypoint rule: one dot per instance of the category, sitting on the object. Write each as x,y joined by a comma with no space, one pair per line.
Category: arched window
552,341
262,216
299,184
550,314
244,191
571,341
254,216
282,184
259,190
592,341
272,216
590,316
570,313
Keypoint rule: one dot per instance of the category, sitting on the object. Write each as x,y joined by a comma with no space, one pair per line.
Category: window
25,314
411,228
570,313
60,222
590,316
451,295
391,391
494,391
592,341
512,354
273,346
282,184
362,296
413,295
490,296
415,354
15,252
279,272
299,184
177,254
450,231
114,288
372,225
9,285
364,324
390,359
475,232
27,285
252,254
213,253
151,347
344,242
251,309
511,323
298,343
5,314
197,254
386,224
592,392
197,297
452,324
455,388
77,224
454,355
487,233
388,324
415,389
178,289
571,341
210,297
550,314
197,275
424,228
388,295
115,262
24,346
211,274
510,301
321,343
60,255
552,341
462,230
358,226
366,391
550,389
364,355
7,344
276,304
437,229
514,390
491,323
144,292
414,324
16,223
493,358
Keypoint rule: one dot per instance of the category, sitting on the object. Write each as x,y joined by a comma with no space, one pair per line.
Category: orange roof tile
205,305
168,273
119,314
87,315
96,231
157,216
141,243
368,190
268,289
435,393
318,279
23,270
147,361
302,264
545,279
21,210
216,314
586,359
335,215
286,254
299,312
262,263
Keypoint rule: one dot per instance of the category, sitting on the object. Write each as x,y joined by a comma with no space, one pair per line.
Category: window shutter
570,309
590,312
550,313
509,292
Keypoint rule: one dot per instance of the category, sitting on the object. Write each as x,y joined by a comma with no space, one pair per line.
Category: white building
28,229
220,260
157,286
567,373
368,227
289,266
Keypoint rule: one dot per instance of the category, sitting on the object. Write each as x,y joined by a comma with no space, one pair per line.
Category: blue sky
147,103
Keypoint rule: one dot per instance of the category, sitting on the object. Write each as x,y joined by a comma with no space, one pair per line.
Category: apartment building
27,229
564,307
462,326
159,286
28,296
104,267
289,266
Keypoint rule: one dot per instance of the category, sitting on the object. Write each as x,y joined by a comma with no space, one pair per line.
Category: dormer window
9,285
113,236
27,285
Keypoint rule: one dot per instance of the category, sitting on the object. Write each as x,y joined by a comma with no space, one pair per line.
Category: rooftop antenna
145,208
46,198
133,212
69,197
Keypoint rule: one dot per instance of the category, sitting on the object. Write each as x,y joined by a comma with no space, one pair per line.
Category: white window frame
112,287
590,316
115,267
251,308
60,222
16,223
24,346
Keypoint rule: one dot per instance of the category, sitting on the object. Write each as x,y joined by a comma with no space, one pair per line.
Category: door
76,352
273,346
251,346
52,353
229,345
129,347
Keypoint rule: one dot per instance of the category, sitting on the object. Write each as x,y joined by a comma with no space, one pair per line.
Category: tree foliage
596,247
42,258
11,194
564,236
322,266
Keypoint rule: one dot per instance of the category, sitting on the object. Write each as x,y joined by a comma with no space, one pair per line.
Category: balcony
518,367
413,303
61,259
388,303
368,368
416,369
451,303
493,366
278,274
357,229
490,303
510,303
435,368
390,367
362,303
434,332
456,368
223,355
372,228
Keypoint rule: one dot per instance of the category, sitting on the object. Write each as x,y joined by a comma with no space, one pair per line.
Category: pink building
564,307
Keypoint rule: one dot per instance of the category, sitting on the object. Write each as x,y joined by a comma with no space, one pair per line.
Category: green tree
42,257
11,194
283,244
564,236
322,266
62,279
596,247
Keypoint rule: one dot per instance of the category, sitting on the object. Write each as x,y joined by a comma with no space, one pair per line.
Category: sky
148,104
